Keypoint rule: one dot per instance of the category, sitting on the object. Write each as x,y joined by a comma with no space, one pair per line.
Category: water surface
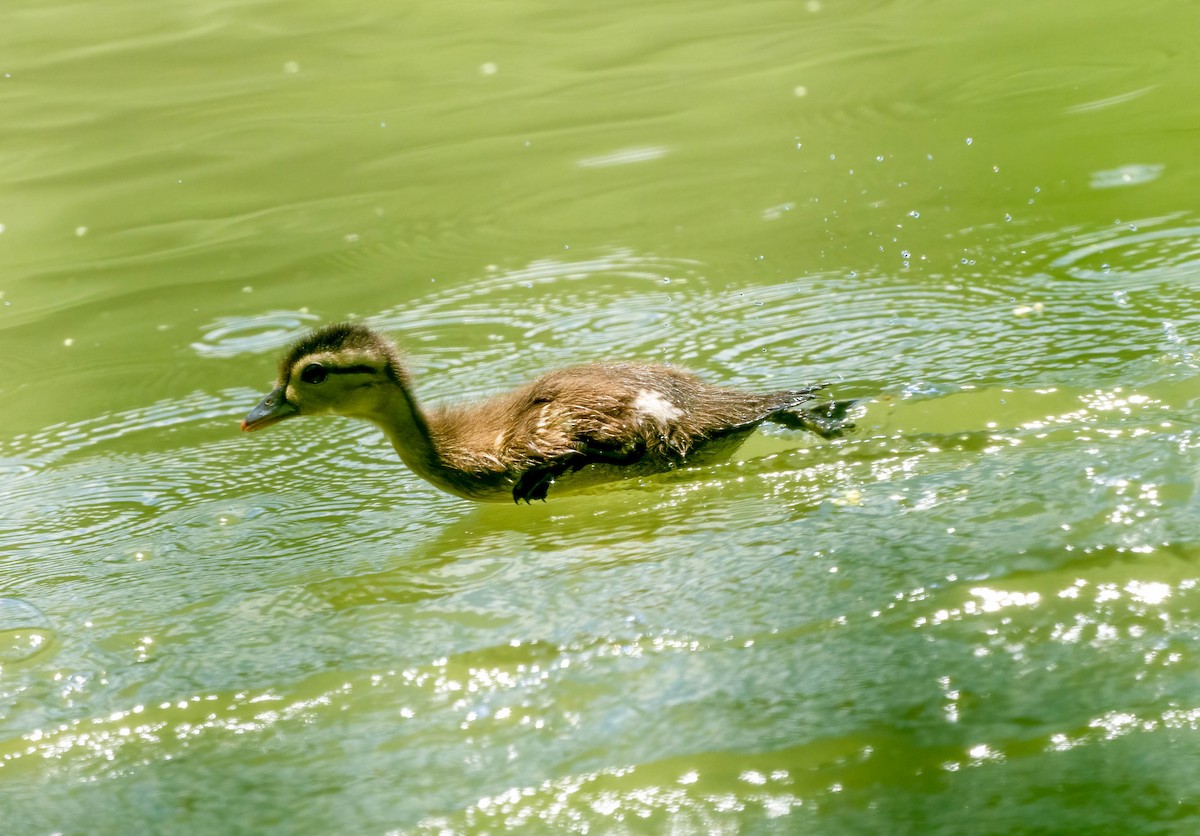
975,613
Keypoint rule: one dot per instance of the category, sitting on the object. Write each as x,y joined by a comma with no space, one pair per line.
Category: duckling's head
340,369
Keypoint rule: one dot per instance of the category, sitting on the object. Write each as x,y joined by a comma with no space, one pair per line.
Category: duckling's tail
826,419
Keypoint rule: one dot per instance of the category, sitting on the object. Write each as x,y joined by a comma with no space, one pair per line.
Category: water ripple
230,336
25,631
1136,254
1133,174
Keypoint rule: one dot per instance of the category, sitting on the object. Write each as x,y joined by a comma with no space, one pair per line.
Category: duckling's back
625,419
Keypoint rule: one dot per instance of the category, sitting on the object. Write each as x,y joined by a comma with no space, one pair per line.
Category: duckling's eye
314,373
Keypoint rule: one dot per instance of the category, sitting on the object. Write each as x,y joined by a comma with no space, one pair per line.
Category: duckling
582,425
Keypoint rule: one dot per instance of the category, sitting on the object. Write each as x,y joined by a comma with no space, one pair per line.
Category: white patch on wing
653,405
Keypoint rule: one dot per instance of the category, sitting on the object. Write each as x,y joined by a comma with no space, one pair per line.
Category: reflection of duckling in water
608,420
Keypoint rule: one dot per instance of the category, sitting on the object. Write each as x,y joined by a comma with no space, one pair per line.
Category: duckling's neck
403,422
408,429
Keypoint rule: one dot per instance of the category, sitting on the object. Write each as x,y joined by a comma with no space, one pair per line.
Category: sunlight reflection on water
956,513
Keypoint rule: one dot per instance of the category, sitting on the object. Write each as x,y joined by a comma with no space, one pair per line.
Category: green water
978,613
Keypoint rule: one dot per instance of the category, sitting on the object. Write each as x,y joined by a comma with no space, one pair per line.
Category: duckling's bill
272,409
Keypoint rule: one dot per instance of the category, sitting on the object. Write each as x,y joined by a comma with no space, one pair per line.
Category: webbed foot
828,420
534,484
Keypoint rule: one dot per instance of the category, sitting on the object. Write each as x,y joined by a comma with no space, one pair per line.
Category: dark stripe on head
351,369
345,337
